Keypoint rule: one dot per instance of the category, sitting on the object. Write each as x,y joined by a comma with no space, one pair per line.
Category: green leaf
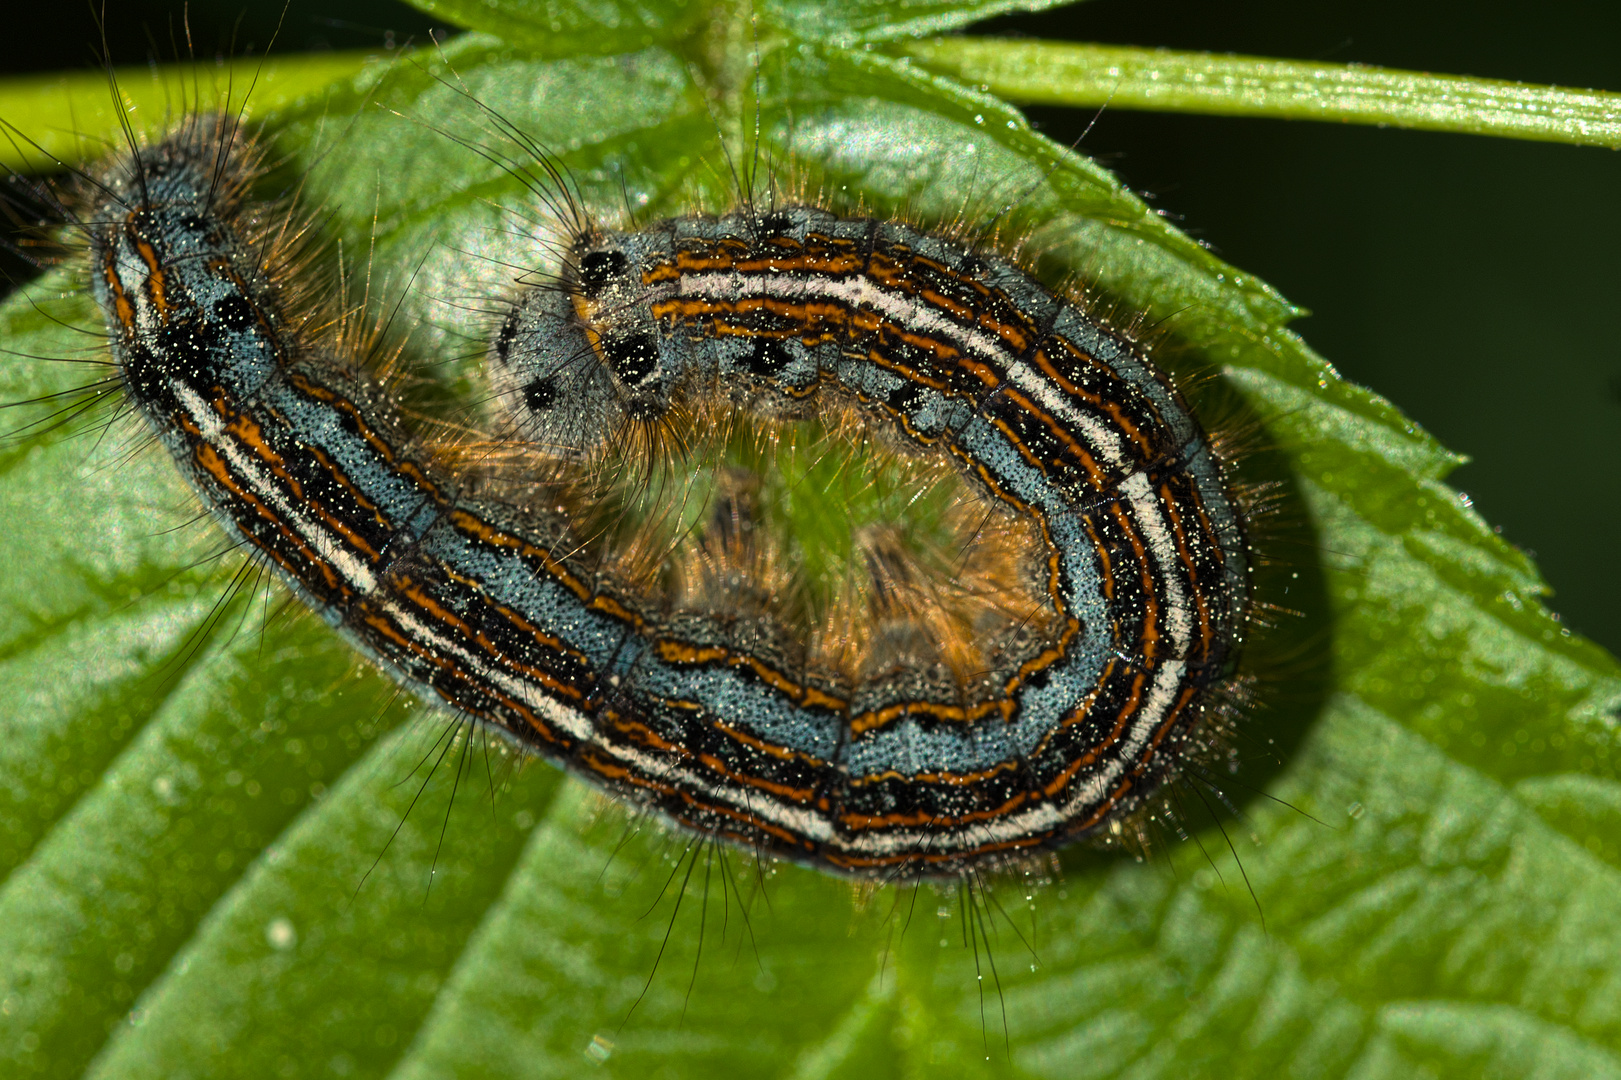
562,28
68,119
565,28
210,865
884,20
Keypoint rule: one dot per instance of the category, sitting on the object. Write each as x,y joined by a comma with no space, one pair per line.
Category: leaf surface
211,870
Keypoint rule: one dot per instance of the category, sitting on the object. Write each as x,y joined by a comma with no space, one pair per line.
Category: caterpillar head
579,358
549,381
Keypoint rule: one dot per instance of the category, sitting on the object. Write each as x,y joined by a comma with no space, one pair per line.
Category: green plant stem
1164,80
62,119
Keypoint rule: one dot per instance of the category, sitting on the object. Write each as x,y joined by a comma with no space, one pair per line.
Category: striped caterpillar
703,717
718,718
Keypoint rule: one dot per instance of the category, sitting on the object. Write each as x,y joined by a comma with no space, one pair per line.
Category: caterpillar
488,605
713,717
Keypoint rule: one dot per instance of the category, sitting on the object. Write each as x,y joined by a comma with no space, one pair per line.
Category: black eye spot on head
598,268
768,357
775,222
541,394
234,312
634,359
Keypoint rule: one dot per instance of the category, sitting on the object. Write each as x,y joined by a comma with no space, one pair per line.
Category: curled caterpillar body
1051,418
708,718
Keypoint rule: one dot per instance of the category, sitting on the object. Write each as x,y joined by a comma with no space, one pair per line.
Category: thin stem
1164,80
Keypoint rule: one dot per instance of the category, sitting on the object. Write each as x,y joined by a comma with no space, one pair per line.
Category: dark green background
1472,281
